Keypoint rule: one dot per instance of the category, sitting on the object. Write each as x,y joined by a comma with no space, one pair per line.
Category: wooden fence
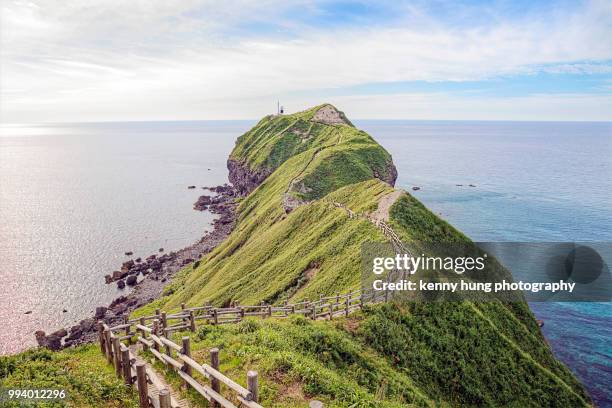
153,332
188,318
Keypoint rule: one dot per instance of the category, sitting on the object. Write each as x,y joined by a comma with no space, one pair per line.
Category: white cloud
539,107
116,60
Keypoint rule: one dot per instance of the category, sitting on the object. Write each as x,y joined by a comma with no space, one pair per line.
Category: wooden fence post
269,310
126,319
109,345
164,320
164,398
141,381
215,316
167,347
214,363
253,385
101,337
192,325
143,333
117,354
187,351
156,332
241,309
125,362
314,310
347,305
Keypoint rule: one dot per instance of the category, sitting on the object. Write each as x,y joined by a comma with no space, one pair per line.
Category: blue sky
85,60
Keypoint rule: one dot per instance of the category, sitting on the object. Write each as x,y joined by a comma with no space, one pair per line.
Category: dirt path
385,203
158,382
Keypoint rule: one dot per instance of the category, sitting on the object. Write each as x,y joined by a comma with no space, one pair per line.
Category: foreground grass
83,372
387,356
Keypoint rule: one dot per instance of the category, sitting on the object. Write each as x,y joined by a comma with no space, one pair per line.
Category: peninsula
310,189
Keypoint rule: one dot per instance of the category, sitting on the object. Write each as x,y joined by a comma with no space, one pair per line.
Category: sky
117,60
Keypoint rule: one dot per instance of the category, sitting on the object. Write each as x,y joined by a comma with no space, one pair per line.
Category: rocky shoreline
150,277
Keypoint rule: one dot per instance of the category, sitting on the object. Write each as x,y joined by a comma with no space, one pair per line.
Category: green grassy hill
291,243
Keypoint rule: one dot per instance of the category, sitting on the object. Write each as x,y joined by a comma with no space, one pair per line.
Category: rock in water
131,280
100,312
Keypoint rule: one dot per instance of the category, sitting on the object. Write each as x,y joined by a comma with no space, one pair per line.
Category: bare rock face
330,116
391,175
244,179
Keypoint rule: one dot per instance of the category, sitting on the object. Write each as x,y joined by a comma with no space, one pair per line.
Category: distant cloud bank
154,60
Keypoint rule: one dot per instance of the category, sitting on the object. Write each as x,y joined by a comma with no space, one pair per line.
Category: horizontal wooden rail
153,333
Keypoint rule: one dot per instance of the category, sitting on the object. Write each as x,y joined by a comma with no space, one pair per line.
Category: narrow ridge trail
157,381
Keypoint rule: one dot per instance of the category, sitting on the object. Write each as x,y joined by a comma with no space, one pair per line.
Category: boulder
52,341
131,280
60,333
78,330
191,187
100,312
129,253
120,299
119,275
126,266
202,203
121,283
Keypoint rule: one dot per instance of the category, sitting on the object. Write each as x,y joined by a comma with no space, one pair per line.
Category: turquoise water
534,182
74,197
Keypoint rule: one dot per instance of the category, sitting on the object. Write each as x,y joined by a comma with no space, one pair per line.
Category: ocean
75,197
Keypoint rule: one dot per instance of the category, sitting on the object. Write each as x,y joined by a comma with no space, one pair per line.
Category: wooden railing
153,332
188,318
178,358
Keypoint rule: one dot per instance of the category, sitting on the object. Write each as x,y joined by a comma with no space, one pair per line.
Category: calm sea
75,197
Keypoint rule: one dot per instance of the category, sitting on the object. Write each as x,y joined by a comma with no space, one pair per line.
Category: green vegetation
83,372
448,354
393,355
420,354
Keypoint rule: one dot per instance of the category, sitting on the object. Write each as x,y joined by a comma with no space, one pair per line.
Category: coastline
156,272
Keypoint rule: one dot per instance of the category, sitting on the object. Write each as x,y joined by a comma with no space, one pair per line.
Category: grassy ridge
486,354
393,355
